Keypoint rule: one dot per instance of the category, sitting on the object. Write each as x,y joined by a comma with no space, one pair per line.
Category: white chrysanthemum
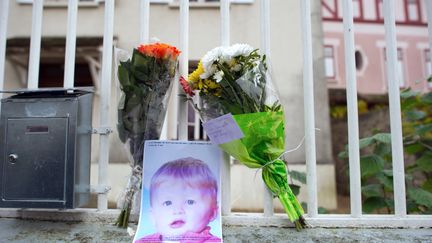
207,61
218,76
236,68
238,50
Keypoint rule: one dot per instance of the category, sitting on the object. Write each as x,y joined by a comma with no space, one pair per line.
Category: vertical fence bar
429,20
395,109
309,116
182,128
225,22
105,100
35,45
144,20
265,48
197,124
68,81
353,127
4,11
226,166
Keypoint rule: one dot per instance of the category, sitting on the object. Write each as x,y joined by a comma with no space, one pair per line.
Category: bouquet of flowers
234,80
145,80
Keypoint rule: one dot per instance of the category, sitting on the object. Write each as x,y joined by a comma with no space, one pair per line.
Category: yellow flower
194,77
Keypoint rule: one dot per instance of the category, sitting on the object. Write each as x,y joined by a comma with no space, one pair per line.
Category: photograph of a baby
182,200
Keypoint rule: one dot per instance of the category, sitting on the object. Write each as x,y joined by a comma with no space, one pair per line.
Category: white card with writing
223,129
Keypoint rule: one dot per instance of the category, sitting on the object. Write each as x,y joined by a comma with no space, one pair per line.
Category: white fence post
105,100
353,127
265,48
395,109
144,20
68,81
35,45
226,166
309,110
182,108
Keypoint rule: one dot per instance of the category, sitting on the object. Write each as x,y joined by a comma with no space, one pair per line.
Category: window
358,9
329,62
379,10
51,74
412,11
358,60
400,66
330,9
52,58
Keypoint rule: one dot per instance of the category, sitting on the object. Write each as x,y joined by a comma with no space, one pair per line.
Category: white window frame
203,1
412,9
329,59
64,3
401,67
357,12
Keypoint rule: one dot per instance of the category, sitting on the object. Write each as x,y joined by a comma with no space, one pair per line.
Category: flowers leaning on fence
145,80
234,80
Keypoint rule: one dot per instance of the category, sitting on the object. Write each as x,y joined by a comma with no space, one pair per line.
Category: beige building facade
285,57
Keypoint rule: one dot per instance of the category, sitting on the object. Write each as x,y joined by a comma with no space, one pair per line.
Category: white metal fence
356,218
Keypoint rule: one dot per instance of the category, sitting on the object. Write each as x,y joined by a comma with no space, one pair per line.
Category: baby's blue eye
190,202
167,203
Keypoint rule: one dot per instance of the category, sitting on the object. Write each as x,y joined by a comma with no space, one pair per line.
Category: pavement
25,230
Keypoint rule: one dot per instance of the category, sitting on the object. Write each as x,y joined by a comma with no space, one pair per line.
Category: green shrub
376,159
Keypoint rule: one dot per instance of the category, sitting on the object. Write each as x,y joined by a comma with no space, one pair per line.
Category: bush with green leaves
376,159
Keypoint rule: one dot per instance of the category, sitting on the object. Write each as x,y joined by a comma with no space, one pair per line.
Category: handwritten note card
223,129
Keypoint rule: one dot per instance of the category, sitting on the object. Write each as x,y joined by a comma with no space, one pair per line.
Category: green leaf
427,185
388,173
427,98
295,189
407,93
387,181
390,203
414,148
370,165
382,149
422,129
412,207
425,162
420,196
383,137
408,103
415,115
123,76
408,177
373,203
343,154
322,210
297,175
364,142
372,190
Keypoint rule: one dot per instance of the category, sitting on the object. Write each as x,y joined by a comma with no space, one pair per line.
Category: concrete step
20,230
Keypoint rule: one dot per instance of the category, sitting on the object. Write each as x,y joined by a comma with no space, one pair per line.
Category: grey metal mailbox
45,149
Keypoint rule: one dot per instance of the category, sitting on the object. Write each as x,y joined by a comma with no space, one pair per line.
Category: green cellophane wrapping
262,145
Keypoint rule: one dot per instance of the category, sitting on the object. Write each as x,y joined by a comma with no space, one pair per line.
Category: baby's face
177,208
